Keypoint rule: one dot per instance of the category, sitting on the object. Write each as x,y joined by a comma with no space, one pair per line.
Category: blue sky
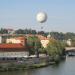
22,14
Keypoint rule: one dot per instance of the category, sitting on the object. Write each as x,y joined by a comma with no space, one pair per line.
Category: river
66,67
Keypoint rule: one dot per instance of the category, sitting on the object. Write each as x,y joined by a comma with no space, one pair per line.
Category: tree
3,31
19,31
34,44
55,48
25,31
57,35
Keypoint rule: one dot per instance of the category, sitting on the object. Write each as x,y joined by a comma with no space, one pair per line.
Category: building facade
16,40
44,40
13,50
0,39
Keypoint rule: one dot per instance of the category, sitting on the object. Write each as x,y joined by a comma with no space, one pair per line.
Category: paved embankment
26,63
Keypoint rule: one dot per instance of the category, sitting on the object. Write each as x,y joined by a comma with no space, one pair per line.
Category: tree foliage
34,43
3,31
25,31
55,48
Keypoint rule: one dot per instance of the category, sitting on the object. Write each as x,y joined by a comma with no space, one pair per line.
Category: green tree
57,35
55,48
34,44
3,31
25,31
69,35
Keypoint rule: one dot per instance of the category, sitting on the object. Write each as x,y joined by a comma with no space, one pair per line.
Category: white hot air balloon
41,17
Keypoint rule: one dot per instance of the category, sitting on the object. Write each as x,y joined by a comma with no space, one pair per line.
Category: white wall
13,40
14,54
0,39
69,42
44,43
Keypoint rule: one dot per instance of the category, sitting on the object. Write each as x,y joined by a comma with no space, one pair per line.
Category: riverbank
30,63
65,67
24,67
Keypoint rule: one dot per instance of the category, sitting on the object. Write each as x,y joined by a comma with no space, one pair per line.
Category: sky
21,14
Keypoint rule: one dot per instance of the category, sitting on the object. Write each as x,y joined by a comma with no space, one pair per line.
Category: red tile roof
21,38
42,37
11,46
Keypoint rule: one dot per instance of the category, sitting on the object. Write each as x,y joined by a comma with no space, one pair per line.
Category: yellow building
44,40
16,40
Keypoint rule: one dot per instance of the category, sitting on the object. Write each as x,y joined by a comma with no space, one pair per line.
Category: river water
66,67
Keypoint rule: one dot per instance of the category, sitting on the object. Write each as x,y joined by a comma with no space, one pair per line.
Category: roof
21,38
12,47
42,37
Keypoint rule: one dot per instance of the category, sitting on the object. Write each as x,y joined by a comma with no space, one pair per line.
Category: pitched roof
12,48
42,37
7,46
21,38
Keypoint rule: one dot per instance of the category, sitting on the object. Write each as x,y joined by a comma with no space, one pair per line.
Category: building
0,39
69,42
10,31
44,40
14,51
16,40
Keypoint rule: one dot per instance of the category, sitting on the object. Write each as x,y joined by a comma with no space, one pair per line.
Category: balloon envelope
41,17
